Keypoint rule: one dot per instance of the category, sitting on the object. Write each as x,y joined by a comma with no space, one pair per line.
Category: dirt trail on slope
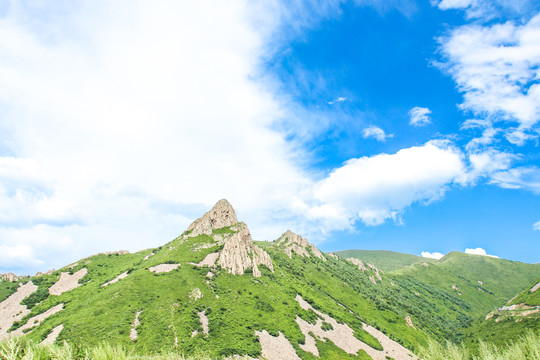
115,280
67,282
133,332
11,309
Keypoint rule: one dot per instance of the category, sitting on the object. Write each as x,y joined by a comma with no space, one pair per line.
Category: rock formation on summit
240,253
292,242
221,215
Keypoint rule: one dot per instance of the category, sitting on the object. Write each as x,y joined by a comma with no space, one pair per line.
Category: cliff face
220,216
291,242
239,252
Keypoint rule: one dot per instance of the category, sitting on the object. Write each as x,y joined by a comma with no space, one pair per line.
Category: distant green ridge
383,259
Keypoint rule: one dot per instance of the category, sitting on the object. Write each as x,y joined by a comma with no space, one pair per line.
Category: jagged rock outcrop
11,277
291,242
358,263
240,253
221,215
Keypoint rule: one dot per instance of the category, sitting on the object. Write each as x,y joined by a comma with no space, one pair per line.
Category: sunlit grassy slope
441,298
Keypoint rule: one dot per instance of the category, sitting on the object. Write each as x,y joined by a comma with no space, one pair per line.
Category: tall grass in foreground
20,348
526,347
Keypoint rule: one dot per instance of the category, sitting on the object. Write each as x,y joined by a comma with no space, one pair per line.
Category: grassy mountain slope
170,304
511,320
410,305
383,259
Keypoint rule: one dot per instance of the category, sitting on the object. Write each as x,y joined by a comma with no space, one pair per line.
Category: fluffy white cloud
376,133
380,187
419,116
479,251
497,68
536,226
119,120
432,255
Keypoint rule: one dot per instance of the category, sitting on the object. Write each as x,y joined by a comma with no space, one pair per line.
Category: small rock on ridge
292,242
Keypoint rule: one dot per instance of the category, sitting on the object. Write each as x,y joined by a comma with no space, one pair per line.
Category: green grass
7,288
20,348
525,347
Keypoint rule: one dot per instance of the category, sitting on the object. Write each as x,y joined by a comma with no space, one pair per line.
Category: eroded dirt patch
67,282
163,268
11,309
38,319
53,335
209,260
276,348
343,337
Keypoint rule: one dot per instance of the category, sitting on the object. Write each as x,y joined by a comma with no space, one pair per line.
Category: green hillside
383,259
510,320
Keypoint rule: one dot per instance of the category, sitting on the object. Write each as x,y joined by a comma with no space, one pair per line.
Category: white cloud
433,255
479,251
419,116
380,187
12,257
536,226
496,68
376,133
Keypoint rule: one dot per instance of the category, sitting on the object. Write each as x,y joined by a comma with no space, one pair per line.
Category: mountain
214,290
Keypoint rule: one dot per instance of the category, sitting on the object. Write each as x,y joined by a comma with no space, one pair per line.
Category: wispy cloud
536,226
486,9
496,69
338,100
419,116
527,178
376,133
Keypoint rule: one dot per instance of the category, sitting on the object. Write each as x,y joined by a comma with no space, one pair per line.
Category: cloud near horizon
432,255
479,251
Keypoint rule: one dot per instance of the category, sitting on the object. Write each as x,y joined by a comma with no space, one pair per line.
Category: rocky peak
292,242
220,216
240,253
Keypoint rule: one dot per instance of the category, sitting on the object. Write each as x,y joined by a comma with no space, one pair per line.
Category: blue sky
402,125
